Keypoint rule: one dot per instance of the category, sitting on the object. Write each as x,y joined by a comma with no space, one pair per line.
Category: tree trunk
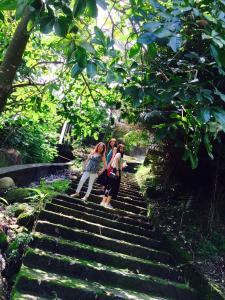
13,58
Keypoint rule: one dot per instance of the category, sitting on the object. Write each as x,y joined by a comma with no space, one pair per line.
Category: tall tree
13,57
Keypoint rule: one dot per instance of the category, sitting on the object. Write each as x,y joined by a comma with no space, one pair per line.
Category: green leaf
88,47
156,5
161,133
152,25
8,4
92,10
146,38
20,7
220,117
30,26
81,57
208,145
175,42
194,160
100,64
152,51
61,26
4,201
219,55
91,69
110,77
76,70
95,135
222,96
189,155
162,33
46,23
79,7
99,34
134,50
2,16
205,115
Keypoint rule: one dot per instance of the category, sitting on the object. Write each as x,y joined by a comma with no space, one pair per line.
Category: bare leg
104,199
108,200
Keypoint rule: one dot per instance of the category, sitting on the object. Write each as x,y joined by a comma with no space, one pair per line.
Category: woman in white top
113,185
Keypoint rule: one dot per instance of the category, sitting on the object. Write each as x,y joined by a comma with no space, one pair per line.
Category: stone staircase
85,251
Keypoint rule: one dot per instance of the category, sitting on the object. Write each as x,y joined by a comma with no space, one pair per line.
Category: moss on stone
98,289
6,183
34,253
18,195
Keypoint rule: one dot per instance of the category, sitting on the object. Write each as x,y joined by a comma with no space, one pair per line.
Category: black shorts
103,179
113,186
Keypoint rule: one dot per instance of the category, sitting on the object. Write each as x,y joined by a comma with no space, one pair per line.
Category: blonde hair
95,150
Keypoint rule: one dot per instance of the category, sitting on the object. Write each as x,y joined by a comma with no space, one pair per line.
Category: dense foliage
161,63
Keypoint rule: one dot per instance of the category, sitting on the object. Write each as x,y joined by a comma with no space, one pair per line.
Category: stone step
55,286
21,296
130,192
96,272
101,241
130,185
122,192
115,259
90,215
96,205
81,250
83,224
117,204
124,186
140,201
101,211
124,199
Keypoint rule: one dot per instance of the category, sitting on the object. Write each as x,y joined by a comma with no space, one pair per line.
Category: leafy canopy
161,63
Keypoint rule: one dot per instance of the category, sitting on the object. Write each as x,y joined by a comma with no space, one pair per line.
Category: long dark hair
118,149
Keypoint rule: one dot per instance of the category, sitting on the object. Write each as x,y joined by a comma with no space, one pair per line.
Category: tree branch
46,62
88,86
31,83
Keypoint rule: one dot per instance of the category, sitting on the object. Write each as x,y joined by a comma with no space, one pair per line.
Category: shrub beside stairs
85,251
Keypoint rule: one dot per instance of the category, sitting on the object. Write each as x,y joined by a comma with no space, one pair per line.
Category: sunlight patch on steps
40,276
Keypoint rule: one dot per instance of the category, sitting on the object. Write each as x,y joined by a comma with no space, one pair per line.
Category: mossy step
122,193
96,205
54,286
100,211
124,198
132,200
123,190
120,278
132,188
118,204
83,224
93,218
98,240
115,259
21,296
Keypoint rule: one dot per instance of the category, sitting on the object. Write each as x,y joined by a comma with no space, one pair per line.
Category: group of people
110,174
